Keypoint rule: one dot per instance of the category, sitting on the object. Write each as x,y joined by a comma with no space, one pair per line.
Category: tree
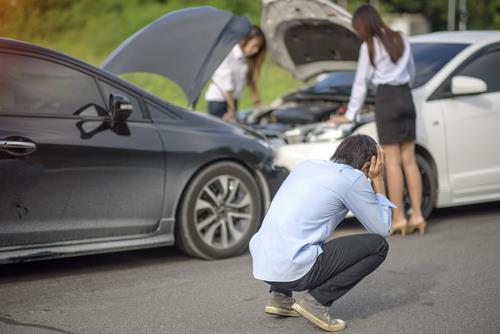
481,14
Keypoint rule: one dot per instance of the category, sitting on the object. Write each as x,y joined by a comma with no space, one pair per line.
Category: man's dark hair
355,151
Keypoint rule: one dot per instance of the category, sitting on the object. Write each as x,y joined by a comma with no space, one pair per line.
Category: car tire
429,188
220,211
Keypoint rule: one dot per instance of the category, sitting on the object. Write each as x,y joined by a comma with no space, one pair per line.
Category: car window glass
92,111
486,68
430,58
158,113
31,85
137,113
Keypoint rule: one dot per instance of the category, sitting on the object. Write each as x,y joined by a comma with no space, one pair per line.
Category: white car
456,94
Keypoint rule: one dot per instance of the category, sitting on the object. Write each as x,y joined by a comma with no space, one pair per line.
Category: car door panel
77,184
473,137
471,130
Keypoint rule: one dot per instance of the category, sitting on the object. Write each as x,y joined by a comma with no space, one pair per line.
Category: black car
90,163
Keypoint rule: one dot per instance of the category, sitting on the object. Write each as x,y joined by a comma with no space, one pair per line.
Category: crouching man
289,251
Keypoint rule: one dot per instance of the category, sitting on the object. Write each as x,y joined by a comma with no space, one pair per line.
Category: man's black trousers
344,262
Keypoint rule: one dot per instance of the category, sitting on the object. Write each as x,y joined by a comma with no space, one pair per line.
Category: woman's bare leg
395,182
413,181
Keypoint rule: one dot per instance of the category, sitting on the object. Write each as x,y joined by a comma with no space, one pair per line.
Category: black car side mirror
97,120
120,109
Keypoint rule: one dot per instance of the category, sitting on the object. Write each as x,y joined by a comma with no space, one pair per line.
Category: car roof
465,37
8,43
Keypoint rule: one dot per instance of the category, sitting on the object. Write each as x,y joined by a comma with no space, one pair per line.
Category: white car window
430,58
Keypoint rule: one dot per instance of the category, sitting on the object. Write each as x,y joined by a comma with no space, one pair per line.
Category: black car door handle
17,147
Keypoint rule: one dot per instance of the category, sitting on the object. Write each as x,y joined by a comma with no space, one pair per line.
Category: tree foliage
481,14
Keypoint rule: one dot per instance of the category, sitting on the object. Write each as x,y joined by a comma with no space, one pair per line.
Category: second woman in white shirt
386,60
239,69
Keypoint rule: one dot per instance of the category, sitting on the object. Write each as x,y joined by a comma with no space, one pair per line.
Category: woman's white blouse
229,76
385,72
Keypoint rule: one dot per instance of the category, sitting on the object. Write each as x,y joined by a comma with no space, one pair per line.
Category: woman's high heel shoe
403,228
420,226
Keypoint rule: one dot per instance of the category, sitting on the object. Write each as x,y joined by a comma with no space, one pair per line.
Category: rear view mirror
464,85
120,108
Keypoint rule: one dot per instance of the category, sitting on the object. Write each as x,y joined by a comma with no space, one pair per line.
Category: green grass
90,30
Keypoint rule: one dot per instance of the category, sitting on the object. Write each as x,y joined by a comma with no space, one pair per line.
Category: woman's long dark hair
255,62
368,23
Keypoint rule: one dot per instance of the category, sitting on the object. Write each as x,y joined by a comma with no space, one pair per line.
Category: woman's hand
259,104
339,119
229,115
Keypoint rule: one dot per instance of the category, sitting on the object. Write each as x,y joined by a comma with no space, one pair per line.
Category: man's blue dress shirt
309,205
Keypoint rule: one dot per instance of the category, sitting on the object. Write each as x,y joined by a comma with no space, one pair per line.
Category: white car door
472,130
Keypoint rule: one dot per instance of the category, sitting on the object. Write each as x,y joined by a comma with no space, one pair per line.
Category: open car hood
186,46
309,37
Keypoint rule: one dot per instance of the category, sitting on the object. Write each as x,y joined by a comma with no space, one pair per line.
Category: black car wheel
220,211
429,188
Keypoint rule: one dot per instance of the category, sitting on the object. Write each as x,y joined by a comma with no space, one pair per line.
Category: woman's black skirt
394,114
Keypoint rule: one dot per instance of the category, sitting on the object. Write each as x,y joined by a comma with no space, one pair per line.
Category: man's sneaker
318,314
280,304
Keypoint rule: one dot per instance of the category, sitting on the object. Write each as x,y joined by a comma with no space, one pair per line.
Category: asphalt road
445,282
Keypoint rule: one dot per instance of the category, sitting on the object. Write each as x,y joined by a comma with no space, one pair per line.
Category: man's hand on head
377,163
374,169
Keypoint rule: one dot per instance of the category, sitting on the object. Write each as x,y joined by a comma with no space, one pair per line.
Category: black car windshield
430,58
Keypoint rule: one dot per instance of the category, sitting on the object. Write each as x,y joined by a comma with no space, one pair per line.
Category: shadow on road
109,262
466,210
439,215
406,288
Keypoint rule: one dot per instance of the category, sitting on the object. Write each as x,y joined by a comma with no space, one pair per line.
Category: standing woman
241,67
386,60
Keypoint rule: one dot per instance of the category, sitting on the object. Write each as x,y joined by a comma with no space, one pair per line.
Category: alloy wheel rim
223,211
